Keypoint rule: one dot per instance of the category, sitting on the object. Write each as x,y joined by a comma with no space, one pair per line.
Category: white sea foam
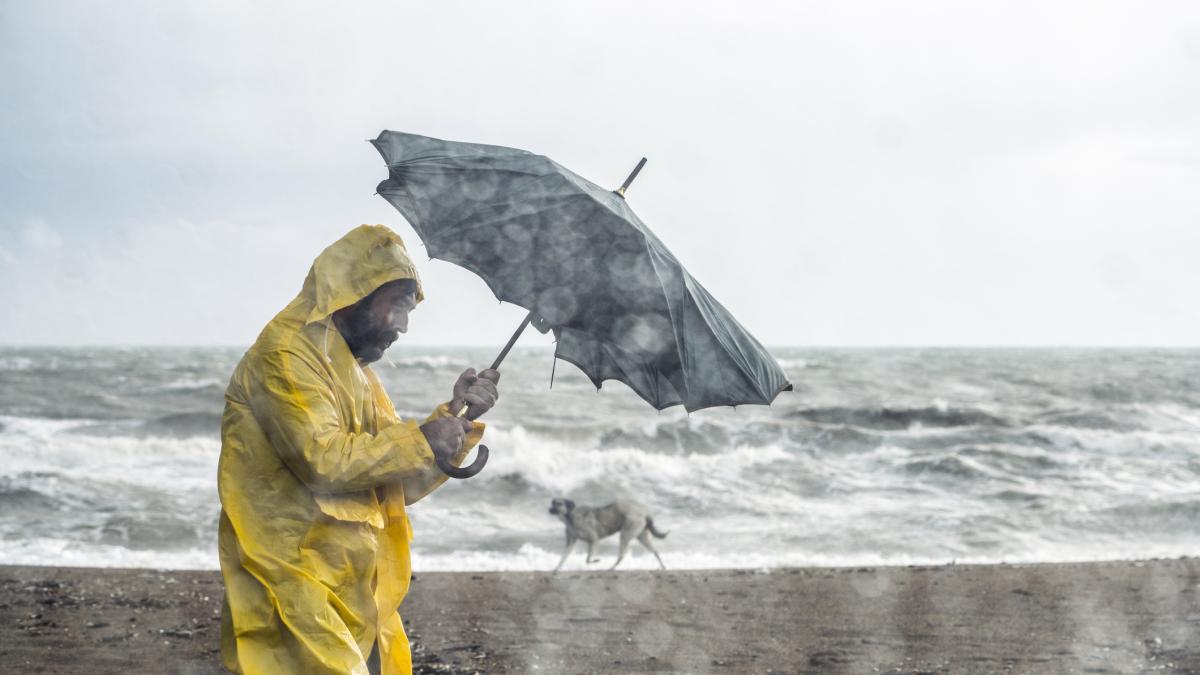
530,558
16,363
563,466
72,553
1128,442
192,384
431,361
533,558
46,446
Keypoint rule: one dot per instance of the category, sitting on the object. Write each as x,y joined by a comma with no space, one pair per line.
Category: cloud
835,173
38,235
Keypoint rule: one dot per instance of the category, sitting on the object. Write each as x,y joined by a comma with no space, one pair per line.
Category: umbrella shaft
512,340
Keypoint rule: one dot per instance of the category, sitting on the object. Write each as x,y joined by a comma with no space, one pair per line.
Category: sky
846,174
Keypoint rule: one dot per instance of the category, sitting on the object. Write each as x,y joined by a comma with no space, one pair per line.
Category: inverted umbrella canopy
576,255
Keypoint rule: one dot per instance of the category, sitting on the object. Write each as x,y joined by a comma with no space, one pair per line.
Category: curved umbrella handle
481,455
481,458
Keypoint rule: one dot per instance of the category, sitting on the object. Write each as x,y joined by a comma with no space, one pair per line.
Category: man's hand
476,390
446,435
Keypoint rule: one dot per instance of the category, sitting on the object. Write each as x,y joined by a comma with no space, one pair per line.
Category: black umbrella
584,265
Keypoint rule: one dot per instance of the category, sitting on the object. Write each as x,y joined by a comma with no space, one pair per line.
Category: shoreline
1118,617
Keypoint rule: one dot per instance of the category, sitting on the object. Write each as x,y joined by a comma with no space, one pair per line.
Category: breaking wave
190,384
886,418
429,362
882,457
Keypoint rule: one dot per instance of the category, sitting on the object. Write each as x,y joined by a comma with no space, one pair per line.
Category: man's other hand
477,390
446,435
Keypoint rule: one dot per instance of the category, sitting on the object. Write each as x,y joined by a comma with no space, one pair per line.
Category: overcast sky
836,173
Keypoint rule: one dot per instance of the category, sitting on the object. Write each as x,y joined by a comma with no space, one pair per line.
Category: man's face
372,324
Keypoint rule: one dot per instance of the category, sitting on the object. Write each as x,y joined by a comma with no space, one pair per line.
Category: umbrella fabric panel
601,361
723,363
590,270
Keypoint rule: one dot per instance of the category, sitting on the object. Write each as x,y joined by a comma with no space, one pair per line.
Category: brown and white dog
592,524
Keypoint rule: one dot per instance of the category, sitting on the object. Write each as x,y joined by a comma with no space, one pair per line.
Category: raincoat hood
368,257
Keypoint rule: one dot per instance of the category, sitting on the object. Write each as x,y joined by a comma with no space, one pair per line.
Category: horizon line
247,345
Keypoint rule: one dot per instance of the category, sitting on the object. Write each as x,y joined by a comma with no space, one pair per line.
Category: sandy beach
1117,617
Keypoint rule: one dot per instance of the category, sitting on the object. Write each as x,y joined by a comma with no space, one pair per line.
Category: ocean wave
1024,497
1018,461
1089,419
834,439
952,467
19,500
673,436
427,362
41,427
693,434
147,530
1129,443
1168,416
960,467
176,425
560,467
16,363
66,552
102,512
183,425
180,464
884,418
887,458
193,384
46,489
531,558
1178,516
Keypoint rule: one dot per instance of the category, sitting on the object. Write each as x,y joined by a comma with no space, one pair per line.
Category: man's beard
366,338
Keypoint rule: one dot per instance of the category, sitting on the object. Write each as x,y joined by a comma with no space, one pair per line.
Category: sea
108,457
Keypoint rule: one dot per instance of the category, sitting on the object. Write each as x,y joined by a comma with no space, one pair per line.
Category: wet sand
1121,617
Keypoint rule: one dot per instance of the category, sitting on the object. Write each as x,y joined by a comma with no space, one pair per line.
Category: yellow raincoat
315,472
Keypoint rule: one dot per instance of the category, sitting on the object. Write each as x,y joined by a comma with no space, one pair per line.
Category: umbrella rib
708,326
738,360
671,311
686,277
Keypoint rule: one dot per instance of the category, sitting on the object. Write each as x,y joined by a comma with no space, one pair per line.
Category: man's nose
400,321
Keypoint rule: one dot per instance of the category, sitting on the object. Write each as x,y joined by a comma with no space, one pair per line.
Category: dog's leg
644,537
591,556
570,546
626,537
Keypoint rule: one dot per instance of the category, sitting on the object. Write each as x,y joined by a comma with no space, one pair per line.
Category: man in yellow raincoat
316,470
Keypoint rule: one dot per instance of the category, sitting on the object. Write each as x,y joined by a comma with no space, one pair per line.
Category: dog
592,524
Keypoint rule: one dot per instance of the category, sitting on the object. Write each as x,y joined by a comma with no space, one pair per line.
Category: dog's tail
654,530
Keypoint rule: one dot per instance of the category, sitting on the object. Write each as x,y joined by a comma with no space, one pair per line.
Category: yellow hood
352,267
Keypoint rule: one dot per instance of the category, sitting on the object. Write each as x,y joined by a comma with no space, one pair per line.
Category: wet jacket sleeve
418,484
295,406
